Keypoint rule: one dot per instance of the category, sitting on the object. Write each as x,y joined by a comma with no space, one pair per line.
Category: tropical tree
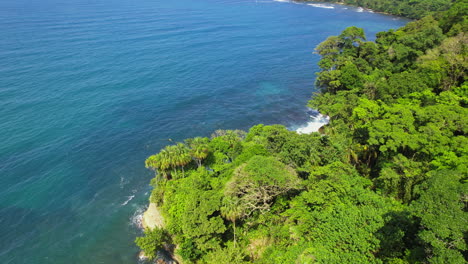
181,156
199,149
168,158
159,163
352,36
258,181
228,142
232,211
441,210
154,240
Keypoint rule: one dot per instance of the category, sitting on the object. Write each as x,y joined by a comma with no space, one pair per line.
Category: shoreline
152,217
355,6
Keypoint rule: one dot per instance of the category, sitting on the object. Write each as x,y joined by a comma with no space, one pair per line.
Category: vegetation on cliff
386,181
406,8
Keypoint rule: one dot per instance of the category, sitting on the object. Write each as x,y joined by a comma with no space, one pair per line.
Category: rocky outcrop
152,217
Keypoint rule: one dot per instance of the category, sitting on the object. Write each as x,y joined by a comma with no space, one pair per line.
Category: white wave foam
283,1
360,10
137,217
317,121
322,6
128,200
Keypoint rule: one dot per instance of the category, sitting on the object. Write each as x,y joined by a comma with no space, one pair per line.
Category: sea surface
90,88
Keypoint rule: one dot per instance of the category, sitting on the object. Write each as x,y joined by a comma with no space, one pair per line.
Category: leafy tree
350,77
228,142
444,220
199,149
189,251
154,240
338,216
447,62
352,36
257,182
228,255
192,207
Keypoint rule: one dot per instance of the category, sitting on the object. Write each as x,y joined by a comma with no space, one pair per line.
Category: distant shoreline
345,4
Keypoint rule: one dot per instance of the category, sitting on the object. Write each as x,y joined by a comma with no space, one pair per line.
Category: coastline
152,217
345,4
221,193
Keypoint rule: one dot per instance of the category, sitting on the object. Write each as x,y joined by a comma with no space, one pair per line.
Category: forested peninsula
407,8
384,182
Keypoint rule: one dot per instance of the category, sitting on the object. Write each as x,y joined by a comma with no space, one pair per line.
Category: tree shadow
398,237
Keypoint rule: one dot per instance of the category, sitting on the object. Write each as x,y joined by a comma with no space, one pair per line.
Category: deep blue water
89,89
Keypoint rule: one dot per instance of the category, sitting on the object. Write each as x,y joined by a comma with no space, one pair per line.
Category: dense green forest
406,8
384,182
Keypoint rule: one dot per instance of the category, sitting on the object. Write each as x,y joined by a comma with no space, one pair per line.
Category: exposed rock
152,217
142,256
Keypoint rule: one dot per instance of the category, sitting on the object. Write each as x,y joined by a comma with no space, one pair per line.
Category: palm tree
166,162
158,163
152,162
199,149
182,157
170,158
232,211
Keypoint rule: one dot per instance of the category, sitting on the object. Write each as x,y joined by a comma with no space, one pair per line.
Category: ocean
90,88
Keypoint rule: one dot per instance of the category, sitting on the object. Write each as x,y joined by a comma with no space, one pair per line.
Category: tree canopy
405,8
384,182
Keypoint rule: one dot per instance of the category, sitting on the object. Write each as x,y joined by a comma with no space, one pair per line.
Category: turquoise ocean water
90,88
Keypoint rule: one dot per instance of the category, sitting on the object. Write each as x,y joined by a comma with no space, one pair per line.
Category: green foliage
339,216
228,255
350,77
251,149
447,64
189,251
199,149
191,205
171,157
444,220
153,241
257,182
384,182
406,8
